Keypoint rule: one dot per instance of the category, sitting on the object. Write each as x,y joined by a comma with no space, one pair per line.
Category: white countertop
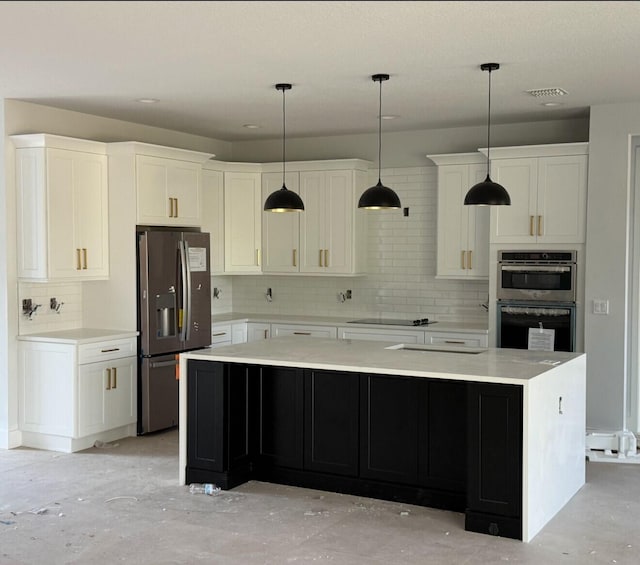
231,317
511,366
79,335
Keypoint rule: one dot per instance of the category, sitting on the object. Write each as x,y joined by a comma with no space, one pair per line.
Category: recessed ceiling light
390,117
251,126
147,100
551,104
554,91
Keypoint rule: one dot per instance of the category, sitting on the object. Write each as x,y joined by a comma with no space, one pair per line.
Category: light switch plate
600,306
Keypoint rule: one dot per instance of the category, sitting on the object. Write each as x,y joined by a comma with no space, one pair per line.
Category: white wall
606,270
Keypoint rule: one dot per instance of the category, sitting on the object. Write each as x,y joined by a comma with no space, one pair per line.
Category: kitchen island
495,433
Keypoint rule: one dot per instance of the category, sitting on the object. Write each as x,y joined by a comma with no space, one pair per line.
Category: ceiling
213,65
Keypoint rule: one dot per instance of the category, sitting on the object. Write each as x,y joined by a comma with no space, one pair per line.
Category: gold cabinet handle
171,207
177,213
531,226
470,259
78,260
462,262
320,259
110,350
539,225
258,258
115,378
454,341
295,257
301,333
108,379
326,257
84,257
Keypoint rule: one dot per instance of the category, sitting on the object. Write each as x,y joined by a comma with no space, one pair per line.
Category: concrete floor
122,504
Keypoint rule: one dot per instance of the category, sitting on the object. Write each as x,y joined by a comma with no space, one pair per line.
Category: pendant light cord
284,136
489,126
380,136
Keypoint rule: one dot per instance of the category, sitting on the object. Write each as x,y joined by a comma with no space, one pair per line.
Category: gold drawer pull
470,261
84,257
177,213
462,263
531,226
115,378
108,379
326,257
295,257
109,350
78,260
454,341
539,225
301,333
320,259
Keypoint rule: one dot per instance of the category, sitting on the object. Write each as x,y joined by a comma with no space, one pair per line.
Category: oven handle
535,311
526,269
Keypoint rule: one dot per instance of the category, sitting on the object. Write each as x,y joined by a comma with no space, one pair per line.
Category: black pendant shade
379,197
283,200
487,192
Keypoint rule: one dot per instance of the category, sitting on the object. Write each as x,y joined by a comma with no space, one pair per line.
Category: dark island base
449,445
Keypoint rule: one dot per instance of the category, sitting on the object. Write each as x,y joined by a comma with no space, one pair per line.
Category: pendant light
379,197
487,192
283,199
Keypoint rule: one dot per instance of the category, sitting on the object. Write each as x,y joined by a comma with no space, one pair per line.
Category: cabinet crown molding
458,158
548,150
151,150
291,166
41,140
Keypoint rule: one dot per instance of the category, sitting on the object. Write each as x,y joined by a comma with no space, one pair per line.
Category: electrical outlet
600,306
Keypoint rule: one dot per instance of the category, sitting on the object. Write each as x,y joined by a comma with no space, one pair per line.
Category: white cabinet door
169,191
562,199
239,332
47,388
280,231
463,231
516,223
213,216
121,398
93,384
327,224
62,214
548,196
242,222
257,331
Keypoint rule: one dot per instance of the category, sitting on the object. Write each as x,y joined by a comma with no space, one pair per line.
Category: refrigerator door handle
158,364
186,291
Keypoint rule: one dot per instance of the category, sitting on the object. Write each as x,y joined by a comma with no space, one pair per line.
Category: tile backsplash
401,279
44,319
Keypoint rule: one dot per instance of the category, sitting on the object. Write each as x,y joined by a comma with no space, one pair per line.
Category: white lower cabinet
400,336
461,339
278,330
71,394
228,334
257,331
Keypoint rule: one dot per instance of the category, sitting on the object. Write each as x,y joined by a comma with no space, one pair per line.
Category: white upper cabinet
280,231
242,222
167,182
169,191
463,231
332,229
548,189
63,202
213,215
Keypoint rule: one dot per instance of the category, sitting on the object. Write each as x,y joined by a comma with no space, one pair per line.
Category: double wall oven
536,289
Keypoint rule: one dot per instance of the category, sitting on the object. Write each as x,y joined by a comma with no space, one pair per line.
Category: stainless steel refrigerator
174,315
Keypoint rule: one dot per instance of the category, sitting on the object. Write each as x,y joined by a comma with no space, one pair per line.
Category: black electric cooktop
394,322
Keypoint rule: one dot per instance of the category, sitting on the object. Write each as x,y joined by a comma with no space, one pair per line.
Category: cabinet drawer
399,336
459,339
106,350
220,334
278,330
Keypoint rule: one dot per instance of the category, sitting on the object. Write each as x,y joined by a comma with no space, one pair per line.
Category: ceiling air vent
539,92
